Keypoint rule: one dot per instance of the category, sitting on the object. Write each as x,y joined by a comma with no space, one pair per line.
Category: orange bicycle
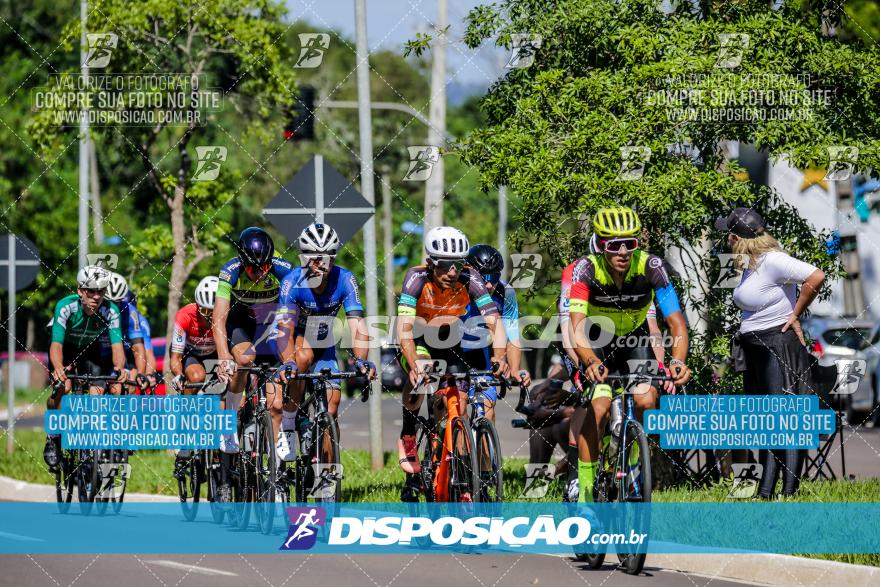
449,466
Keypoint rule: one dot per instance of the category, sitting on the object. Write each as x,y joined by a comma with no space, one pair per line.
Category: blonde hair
754,248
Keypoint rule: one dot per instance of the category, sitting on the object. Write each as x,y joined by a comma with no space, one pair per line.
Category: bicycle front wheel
188,487
265,470
64,482
327,485
634,486
463,480
489,461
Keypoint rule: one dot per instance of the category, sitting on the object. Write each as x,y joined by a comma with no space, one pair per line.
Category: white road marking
191,568
20,537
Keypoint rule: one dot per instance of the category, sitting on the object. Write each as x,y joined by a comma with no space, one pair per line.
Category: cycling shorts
242,326
616,359
193,359
87,361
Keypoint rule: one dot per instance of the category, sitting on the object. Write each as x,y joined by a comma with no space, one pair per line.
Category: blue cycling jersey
474,331
297,300
135,329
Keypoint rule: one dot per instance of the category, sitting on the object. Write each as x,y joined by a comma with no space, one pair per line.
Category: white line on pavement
191,568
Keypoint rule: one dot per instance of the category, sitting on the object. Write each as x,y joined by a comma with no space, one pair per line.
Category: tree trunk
178,268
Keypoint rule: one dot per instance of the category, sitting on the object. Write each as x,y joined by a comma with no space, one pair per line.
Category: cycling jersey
565,294
192,334
298,300
133,332
236,286
594,293
424,298
504,297
74,329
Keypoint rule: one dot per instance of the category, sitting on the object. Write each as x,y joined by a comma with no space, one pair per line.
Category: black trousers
777,363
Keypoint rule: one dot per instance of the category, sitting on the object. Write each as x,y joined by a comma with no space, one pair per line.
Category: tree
226,50
613,75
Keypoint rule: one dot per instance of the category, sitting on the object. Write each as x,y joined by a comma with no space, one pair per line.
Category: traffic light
301,121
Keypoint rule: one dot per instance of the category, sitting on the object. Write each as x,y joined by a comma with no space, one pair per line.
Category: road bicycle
490,470
202,466
448,450
623,473
100,476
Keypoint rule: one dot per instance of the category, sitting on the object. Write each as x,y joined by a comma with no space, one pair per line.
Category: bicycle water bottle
250,432
616,415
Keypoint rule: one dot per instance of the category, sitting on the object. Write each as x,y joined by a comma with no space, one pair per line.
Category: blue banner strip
372,528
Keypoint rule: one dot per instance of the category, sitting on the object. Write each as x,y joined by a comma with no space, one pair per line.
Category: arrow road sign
318,193
24,259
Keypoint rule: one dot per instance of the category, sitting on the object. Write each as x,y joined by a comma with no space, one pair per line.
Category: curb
768,569
16,490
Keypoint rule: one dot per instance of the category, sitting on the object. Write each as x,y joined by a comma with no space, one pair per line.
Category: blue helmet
255,247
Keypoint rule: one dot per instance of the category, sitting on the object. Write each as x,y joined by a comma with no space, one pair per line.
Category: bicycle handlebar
630,380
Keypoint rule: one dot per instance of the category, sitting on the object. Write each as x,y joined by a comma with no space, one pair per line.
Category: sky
390,23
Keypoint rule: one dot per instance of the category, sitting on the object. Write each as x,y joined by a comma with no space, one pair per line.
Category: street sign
25,259
318,193
22,262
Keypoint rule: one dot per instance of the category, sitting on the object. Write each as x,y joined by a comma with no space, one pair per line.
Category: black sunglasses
445,265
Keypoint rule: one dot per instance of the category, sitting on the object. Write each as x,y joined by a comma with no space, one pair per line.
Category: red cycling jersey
192,334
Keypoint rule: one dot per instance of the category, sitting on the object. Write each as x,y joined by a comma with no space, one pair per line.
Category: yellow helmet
613,222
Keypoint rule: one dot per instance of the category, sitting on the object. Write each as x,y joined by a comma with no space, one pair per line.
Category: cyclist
192,343
246,294
80,321
488,262
437,295
136,339
316,289
614,289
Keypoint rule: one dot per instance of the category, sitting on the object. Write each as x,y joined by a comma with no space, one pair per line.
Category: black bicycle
623,472
202,466
316,473
99,475
487,446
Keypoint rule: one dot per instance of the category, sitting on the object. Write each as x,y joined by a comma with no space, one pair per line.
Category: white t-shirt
767,295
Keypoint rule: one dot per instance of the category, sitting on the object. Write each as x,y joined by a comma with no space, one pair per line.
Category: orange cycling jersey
424,298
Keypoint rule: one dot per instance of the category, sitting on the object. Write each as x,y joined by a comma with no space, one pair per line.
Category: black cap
743,222
485,259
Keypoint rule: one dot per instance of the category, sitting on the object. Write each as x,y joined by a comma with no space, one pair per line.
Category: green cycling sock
586,478
634,454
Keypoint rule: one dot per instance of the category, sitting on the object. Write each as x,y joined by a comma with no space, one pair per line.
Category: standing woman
770,339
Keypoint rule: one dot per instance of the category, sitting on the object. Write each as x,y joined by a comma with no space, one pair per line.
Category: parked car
841,339
872,356
393,375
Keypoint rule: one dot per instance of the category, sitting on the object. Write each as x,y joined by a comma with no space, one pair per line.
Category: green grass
26,397
151,473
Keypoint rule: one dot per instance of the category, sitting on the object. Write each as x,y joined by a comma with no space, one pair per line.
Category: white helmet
93,277
117,287
318,238
446,242
206,291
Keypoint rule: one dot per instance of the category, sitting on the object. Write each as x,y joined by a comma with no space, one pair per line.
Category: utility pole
437,117
83,141
97,214
365,127
387,244
502,228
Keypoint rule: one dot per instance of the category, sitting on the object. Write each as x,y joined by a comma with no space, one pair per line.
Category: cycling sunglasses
206,312
258,268
614,245
491,277
444,265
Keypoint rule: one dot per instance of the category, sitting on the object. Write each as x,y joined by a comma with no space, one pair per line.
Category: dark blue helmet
485,259
255,247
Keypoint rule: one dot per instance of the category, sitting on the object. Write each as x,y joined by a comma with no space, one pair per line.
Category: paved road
150,570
